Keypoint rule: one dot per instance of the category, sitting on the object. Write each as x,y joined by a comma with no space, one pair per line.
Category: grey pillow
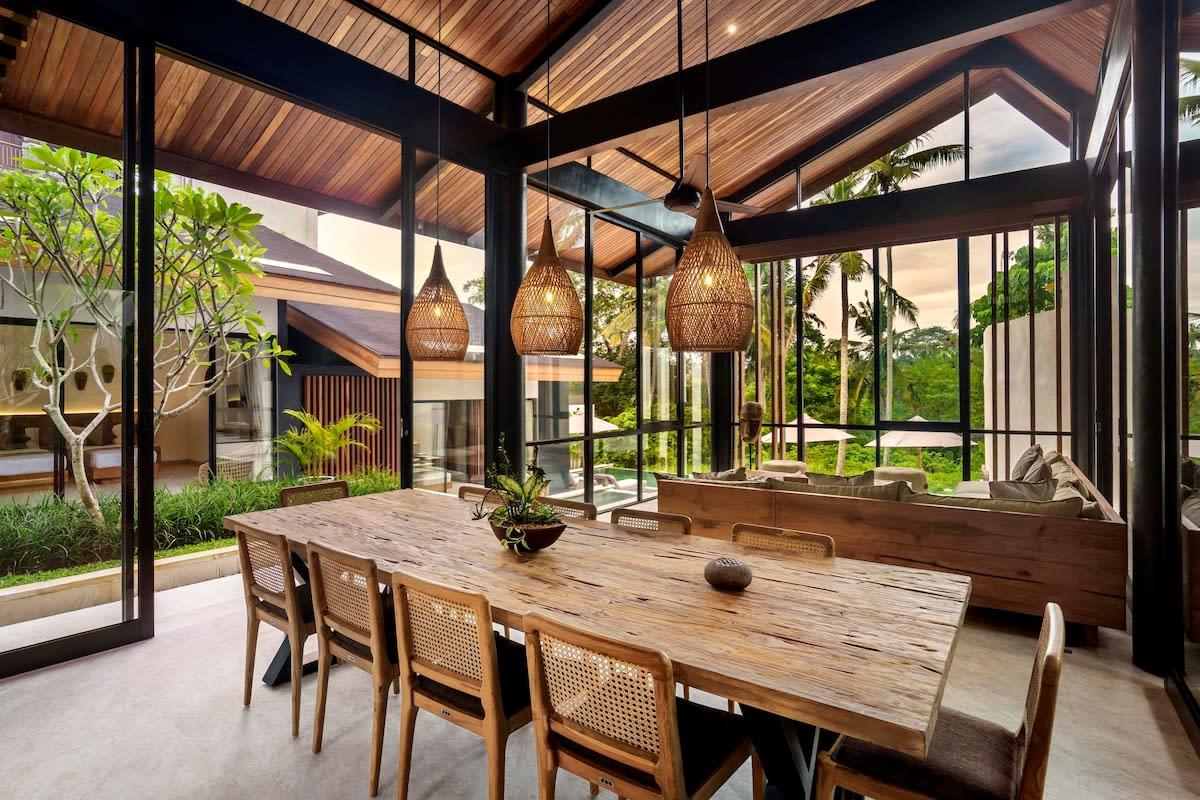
888,491
1038,471
1025,461
736,474
1038,491
822,479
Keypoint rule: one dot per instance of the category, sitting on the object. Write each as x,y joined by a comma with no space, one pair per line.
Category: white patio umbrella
918,439
811,435
575,428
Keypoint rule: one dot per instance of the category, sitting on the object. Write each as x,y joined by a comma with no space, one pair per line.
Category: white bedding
17,463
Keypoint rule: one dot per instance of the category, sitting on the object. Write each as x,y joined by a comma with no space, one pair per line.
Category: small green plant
520,500
316,444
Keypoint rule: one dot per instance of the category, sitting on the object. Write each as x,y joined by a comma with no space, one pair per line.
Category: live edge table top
851,646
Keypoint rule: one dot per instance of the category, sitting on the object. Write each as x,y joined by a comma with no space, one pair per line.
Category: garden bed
50,538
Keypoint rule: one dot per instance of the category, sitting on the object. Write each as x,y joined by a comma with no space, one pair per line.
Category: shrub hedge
48,533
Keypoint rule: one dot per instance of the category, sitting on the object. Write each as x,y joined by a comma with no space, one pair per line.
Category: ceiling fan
684,196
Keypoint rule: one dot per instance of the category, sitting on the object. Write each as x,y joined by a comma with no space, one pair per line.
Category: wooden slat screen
331,397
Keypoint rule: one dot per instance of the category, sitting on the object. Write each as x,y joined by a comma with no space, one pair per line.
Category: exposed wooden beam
1114,68
572,34
962,208
234,40
865,40
59,133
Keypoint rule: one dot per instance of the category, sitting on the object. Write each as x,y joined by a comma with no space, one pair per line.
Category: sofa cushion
1025,460
736,474
1040,491
972,489
1190,508
824,479
784,465
1038,471
1054,508
889,491
915,478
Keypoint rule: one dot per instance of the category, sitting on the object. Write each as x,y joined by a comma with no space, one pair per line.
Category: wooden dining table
855,647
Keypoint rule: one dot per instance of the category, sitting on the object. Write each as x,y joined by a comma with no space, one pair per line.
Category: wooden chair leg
497,743
251,647
825,783
758,780
297,647
546,780
687,692
381,700
396,684
322,691
408,727
593,788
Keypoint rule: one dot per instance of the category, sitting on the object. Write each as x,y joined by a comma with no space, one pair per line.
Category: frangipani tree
61,254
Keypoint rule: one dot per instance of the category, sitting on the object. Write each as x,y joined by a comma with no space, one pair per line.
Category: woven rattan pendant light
547,317
709,307
436,329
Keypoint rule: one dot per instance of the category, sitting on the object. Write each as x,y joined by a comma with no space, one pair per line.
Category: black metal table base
279,671
788,752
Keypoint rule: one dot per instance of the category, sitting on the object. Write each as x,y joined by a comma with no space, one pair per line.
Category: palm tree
1189,77
887,175
850,266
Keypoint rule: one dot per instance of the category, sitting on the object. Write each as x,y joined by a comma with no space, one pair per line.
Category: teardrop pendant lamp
437,329
547,317
709,306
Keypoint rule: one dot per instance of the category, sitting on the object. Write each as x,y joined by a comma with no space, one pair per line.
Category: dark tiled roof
281,248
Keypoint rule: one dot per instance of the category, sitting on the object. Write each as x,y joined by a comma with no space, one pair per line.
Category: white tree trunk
86,495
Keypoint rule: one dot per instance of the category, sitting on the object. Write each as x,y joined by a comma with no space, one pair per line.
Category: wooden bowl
537,537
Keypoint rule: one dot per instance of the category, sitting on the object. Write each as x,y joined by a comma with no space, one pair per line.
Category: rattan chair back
476,493
1037,724
446,635
611,698
571,509
313,493
346,596
634,519
816,545
267,573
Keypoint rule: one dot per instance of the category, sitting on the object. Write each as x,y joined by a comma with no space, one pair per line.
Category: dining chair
571,509
968,756
606,711
456,667
476,493
636,519
273,597
313,493
355,625
817,545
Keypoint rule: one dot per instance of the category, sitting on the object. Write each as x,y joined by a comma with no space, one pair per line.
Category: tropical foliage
315,444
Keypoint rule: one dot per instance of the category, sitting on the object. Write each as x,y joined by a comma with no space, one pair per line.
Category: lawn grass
26,578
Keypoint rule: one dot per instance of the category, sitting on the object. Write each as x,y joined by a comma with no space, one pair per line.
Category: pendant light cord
549,113
437,195
707,103
679,72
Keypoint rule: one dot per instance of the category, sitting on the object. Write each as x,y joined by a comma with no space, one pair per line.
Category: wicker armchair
816,545
273,597
968,756
454,666
637,520
313,493
606,710
353,626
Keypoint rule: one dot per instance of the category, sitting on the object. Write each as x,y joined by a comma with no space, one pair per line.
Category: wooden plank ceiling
72,76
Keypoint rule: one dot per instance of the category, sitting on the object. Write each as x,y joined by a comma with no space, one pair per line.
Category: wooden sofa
1017,562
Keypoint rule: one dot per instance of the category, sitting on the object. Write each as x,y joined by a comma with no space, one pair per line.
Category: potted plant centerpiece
316,445
521,521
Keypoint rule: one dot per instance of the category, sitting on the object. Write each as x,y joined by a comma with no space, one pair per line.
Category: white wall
293,221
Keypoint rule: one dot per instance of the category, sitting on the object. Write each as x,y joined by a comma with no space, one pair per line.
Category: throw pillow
736,474
1025,460
1040,491
1039,471
823,479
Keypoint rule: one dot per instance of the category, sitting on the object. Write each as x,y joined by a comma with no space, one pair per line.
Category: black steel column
964,350
1157,590
504,371
408,277
722,409
128,333
1082,261
589,291
145,338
